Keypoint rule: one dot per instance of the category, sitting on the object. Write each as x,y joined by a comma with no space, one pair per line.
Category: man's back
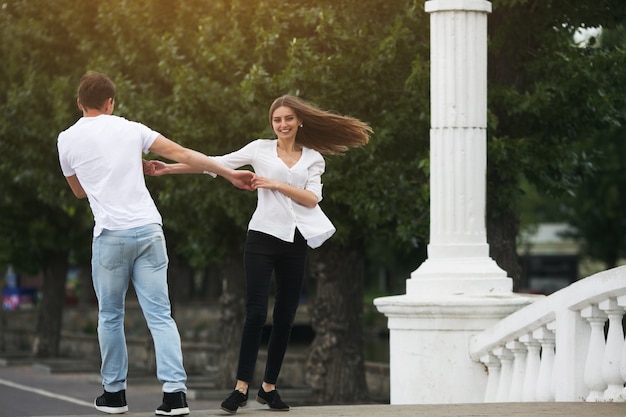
105,153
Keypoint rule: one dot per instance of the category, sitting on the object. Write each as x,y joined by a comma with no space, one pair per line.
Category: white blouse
276,214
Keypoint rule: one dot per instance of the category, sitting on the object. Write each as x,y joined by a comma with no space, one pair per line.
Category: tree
545,95
595,207
39,227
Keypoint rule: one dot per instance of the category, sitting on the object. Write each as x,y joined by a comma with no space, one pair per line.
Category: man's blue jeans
140,255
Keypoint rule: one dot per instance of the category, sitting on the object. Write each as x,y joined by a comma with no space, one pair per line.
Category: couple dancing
100,158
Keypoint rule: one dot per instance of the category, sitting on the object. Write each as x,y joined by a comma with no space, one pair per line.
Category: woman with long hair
287,219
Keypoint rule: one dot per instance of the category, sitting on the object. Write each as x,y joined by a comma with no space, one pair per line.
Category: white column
458,291
458,254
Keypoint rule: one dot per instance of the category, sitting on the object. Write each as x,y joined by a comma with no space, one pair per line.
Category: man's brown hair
94,90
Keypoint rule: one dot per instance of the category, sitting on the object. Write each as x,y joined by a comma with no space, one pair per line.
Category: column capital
458,5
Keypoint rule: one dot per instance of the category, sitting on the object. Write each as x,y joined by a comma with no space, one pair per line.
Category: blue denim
140,255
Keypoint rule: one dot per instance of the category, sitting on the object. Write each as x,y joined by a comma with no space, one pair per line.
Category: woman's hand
243,179
300,196
262,182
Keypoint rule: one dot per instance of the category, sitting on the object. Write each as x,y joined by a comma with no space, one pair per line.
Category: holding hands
262,182
156,168
241,179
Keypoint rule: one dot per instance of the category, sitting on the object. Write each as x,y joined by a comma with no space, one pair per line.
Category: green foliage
203,74
39,220
596,209
556,108
546,94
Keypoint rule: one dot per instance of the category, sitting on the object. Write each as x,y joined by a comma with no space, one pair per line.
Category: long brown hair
326,132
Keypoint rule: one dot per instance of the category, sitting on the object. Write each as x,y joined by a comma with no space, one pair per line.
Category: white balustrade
593,366
546,366
506,373
519,368
552,327
533,360
621,301
613,350
556,349
493,380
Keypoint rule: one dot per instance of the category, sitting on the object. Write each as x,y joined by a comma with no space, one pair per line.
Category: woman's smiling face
285,122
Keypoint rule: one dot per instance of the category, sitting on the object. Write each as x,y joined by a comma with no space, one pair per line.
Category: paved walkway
28,390
453,410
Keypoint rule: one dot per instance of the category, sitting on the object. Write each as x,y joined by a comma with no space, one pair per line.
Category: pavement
452,410
60,388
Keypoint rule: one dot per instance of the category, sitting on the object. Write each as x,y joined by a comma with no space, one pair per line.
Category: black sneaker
174,404
112,402
272,399
235,400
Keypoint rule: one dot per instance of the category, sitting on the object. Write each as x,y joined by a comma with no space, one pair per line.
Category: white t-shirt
276,214
105,153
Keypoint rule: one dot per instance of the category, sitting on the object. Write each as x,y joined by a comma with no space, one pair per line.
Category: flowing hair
324,131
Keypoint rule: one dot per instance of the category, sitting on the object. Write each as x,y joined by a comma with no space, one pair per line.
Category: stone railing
568,346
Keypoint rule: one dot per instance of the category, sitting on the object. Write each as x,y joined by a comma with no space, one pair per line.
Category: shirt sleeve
148,136
239,158
314,181
66,167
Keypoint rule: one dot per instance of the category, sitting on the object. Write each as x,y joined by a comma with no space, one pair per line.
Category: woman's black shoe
235,400
272,399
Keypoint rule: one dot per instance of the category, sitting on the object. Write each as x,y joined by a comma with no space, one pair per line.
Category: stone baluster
506,373
552,327
593,366
621,301
533,360
519,368
493,376
613,350
544,381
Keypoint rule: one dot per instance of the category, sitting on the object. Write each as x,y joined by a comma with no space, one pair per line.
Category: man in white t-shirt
101,158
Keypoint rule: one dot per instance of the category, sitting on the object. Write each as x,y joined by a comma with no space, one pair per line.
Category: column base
458,276
429,343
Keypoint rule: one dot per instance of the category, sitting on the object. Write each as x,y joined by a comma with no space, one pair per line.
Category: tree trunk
502,230
50,312
232,316
335,366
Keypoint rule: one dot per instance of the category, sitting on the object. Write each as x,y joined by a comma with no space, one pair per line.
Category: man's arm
200,162
76,187
158,168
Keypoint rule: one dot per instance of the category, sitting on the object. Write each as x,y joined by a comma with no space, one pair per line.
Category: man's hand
242,179
148,168
155,168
